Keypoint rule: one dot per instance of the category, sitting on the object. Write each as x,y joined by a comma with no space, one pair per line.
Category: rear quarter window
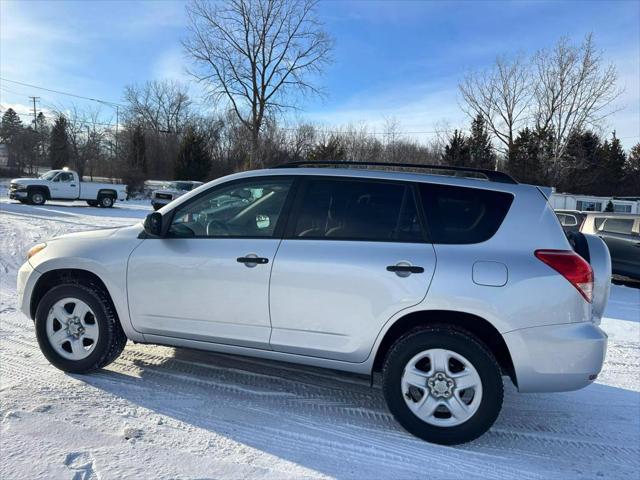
463,215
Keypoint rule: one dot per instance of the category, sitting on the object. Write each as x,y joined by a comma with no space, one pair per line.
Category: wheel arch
107,191
471,323
40,188
51,278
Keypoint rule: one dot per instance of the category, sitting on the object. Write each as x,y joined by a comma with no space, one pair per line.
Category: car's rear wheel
77,328
106,201
443,385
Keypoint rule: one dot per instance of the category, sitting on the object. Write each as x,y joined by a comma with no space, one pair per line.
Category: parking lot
178,413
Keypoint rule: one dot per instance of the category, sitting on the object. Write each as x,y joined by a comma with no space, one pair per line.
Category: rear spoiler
545,191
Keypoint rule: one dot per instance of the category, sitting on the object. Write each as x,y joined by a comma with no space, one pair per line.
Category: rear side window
461,215
567,220
617,225
337,209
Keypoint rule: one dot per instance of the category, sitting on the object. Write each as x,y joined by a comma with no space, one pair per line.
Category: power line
105,102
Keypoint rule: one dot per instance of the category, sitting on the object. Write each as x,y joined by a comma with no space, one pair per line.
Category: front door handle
405,269
252,261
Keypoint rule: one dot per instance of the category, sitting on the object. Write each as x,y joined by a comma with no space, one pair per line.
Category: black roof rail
491,175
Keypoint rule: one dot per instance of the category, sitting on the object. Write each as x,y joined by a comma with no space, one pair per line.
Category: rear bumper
557,358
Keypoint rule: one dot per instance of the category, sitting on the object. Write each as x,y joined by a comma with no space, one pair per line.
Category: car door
65,186
624,245
354,254
208,279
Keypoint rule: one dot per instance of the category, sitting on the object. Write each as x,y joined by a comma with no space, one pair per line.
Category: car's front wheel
443,385
77,328
37,197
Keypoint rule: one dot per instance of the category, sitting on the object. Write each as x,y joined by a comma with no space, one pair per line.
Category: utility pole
35,129
35,116
117,121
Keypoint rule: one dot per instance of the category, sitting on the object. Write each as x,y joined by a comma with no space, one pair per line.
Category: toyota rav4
443,283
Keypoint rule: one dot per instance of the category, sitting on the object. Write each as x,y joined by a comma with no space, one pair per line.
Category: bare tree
160,105
256,55
501,96
573,89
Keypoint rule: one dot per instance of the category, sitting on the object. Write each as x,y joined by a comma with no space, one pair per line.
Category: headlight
35,249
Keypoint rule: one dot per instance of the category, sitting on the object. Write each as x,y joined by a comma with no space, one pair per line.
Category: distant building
4,155
591,203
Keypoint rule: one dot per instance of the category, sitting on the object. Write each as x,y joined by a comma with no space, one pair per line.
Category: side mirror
153,224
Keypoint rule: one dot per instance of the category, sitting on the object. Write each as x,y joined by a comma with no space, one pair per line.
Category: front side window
247,209
339,209
463,215
617,225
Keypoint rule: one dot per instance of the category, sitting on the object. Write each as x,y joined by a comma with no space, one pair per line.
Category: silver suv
442,283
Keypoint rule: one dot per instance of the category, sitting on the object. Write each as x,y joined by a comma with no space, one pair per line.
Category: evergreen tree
611,168
10,126
481,151
332,149
581,163
457,152
194,161
632,172
529,158
42,132
59,148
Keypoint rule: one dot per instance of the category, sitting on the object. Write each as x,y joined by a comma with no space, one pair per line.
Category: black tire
111,339
92,203
462,343
106,201
37,197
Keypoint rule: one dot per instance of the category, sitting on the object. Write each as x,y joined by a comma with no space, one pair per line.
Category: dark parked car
621,233
571,220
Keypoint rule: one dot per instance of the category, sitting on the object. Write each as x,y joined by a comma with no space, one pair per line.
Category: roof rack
491,175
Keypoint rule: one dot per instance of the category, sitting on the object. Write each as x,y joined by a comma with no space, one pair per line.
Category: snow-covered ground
159,412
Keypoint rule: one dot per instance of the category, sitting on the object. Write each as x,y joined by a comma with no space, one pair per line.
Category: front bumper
18,194
557,358
26,281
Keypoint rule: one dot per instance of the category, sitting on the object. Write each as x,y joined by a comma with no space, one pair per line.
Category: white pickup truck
65,184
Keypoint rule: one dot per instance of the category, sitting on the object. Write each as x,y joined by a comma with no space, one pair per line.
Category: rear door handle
405,269
248,261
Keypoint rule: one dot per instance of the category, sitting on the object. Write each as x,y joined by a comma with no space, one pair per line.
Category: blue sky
398,60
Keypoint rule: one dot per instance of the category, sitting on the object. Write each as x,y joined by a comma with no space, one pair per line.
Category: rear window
618,225
461,215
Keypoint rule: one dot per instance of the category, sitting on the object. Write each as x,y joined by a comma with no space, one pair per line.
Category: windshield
49,175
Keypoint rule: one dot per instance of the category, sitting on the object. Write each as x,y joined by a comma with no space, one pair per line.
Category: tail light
572,267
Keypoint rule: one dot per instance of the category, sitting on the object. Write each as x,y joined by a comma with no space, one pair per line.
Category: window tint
358,210
618,225
463,215
249,209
